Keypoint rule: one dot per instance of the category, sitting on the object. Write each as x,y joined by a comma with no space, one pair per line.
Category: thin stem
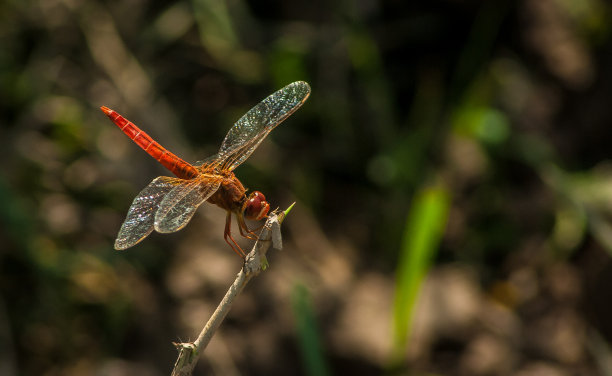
254,263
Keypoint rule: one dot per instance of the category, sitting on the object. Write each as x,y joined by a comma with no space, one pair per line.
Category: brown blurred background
504,106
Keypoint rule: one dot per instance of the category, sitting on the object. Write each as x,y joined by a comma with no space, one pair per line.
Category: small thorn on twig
288,210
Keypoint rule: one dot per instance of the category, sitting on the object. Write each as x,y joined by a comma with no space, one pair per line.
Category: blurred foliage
308,333
424,229
504,104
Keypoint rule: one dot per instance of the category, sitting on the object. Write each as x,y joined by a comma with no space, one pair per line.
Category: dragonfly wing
248,132
139,220
181,203
209,160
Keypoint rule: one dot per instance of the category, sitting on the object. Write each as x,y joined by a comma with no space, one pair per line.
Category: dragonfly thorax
231,194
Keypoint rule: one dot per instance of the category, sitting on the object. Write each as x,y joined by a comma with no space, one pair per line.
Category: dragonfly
167,204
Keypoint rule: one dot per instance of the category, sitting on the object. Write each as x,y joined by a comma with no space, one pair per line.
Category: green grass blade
308,332
424,230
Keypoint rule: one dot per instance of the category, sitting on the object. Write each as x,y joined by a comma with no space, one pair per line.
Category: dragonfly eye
256,207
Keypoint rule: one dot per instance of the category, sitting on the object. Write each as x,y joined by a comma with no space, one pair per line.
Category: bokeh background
452,173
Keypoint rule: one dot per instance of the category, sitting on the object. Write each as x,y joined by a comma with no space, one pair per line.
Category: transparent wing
180,204
139,221
248,132
210,161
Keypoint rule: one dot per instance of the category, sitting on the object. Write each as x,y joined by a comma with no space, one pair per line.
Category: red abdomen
173,163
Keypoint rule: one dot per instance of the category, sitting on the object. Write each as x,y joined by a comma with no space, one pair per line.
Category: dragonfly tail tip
106,110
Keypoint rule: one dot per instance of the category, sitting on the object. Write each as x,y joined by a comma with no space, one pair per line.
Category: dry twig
254,263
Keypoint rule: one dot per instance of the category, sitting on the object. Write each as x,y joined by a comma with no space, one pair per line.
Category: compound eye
256,207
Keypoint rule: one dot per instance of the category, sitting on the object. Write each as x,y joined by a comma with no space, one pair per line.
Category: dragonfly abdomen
176,165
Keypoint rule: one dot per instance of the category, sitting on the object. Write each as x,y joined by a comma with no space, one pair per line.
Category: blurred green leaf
174,22
424,229
483,123
216,27
14,216
585,203
308,333
363,51
287,60
219,36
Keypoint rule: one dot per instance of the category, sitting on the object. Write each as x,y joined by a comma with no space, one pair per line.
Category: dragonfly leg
244,229
227,235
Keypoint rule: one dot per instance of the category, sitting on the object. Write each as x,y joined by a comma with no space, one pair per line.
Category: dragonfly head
255,207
